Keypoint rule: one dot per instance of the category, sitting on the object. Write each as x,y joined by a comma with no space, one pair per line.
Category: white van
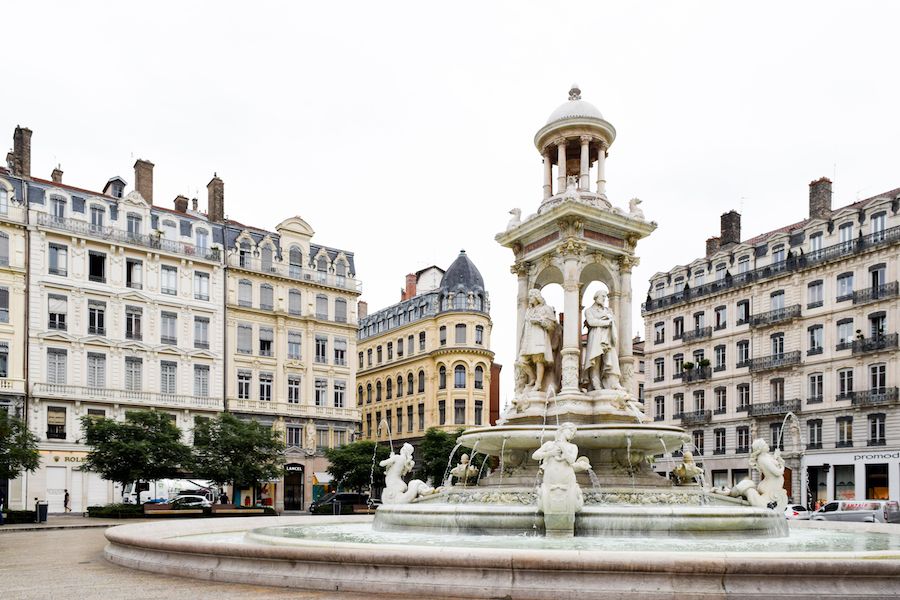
863,511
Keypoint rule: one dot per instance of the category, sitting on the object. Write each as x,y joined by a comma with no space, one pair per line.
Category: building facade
426,361
790,336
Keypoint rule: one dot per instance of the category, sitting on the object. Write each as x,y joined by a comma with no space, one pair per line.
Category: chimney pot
181,203
56,175
216,199
712,245
194,204
21,154
410,290
820,198
143,179
730,231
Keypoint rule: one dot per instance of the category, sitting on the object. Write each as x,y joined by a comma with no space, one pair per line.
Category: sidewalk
69,521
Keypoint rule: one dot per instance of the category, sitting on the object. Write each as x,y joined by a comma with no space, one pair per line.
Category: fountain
574,498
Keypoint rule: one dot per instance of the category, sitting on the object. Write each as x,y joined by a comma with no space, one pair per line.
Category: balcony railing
292,409
113,234
697,374
775,408
12,213
875,343
294,272
698,417
75,392
874,397
775,361
775,316
875,293
696,334
794,263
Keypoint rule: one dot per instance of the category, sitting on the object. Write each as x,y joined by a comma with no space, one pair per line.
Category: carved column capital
586,139
626,263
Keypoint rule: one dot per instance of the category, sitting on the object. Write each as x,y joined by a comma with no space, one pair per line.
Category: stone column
548,174
521,270
584,181
571,350
601,169
625,265
561,166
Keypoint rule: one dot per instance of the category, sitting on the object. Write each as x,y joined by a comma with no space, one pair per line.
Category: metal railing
775,361
875,293
775,316
874,397
875,343
294,272
697,374
794,263
76,392
775,408
698,417
113,234
291,408
696,334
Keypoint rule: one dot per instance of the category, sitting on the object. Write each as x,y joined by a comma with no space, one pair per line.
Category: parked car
335,503
190,502
863,511
796,512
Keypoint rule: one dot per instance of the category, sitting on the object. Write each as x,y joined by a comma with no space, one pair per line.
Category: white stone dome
574,108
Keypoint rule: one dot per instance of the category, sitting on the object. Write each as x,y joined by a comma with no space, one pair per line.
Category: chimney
410,290
194,204
56,175
730,228
820,198
181,203
712,245
20,158
215,207
143,179
362,309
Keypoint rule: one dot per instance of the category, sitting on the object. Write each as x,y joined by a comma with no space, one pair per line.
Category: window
133,223
719,437
243,385
4,201
265,387
659,333
777,344
814,388
97,215
743,396
442,412
294,436
721,401
844,287
877,223
845,331
295,257
322,349
698,442
877,323
421,411
369,357
677,328
460,333
322,268
659,408
778,254
421,381
815,242
168,382
877,378
389,388
459,301
399,386
776,390
776,439
293,341
201,380
265,254
422,341
293,390
360,355
96,317
340,390
134,276
294,302
659,365
266,338
743,439
845,233
459,377
244,339
400,348
877,276
409,383
168,332
399,419
845,383
677,365
96,370
659,290
720,271
721,317
377,391
245,293
340,351
459,411
442,336
720,358
56,423
844,432
699,400
322,307
479,377
815,294
876,430
97,266
340,310
816,335
743,264
442,378
168,280
743,312
378,355
677,405
699,278
743,353
4,359
58,208
57,308
202,241
479,412
245,254
201,332
409,345
321,392
699,321
776,300
814,434
134,374
266,297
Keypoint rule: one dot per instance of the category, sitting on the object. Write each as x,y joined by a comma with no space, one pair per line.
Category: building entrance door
294,475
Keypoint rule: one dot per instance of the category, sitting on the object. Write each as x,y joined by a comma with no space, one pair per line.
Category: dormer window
699,278
202,240
815,242
659,290
778,254
295,258
244,254
679,284
744,264
170,230
720,271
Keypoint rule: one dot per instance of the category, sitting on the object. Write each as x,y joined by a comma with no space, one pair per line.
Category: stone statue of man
537,338
601,357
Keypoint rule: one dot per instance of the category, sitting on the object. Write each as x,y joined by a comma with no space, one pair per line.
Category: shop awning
322,478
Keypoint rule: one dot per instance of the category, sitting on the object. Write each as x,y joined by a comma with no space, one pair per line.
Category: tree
18,447
351,465
243,453
434,453
146,446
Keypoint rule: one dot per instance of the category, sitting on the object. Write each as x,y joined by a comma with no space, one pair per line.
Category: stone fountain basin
643,437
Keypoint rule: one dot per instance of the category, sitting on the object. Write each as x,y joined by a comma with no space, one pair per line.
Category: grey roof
462,274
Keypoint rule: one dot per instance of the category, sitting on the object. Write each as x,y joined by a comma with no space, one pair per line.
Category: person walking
66,506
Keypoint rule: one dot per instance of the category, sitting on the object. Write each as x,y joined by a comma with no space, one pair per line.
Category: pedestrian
1,511
66,506
223,499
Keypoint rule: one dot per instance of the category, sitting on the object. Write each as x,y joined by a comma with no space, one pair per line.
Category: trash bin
40,510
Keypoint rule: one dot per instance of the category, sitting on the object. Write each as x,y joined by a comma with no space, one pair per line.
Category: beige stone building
790,336
426,361
291,332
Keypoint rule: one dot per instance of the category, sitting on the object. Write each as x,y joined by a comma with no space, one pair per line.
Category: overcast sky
403,131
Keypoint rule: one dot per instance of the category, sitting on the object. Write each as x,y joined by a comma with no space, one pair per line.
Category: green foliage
116,511
434,452
351,464
145,447
244,453
18,447
12,517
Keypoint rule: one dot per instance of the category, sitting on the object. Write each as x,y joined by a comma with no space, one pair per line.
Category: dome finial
575,92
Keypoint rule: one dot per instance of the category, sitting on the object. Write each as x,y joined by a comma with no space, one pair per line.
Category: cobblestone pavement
69,563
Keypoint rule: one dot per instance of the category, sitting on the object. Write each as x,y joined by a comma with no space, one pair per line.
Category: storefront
62,470
294,484
856,475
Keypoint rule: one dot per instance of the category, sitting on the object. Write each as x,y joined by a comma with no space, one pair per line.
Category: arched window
459,377
359,400
340,310
459,301
479,377
421,381
266,297
368,393
399,386
389,391
295,257
378,392
245,253
266,258
4,249
340,272
442,378
322,268
294,302
409,384
245,293
479,302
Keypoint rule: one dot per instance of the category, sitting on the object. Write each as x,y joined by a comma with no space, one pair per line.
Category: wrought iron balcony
775,408
698,417
697,374
775,361
875,293
875,343
775,316
295,272
696,334
792,264
874,397
107,234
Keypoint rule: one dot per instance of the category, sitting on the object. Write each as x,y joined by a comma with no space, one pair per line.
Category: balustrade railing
874,397
875,293
875,343
696,334
697,374
775,361
775,316
76,392
698,417
775,408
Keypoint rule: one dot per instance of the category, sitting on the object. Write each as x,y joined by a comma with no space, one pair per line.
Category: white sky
403,131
